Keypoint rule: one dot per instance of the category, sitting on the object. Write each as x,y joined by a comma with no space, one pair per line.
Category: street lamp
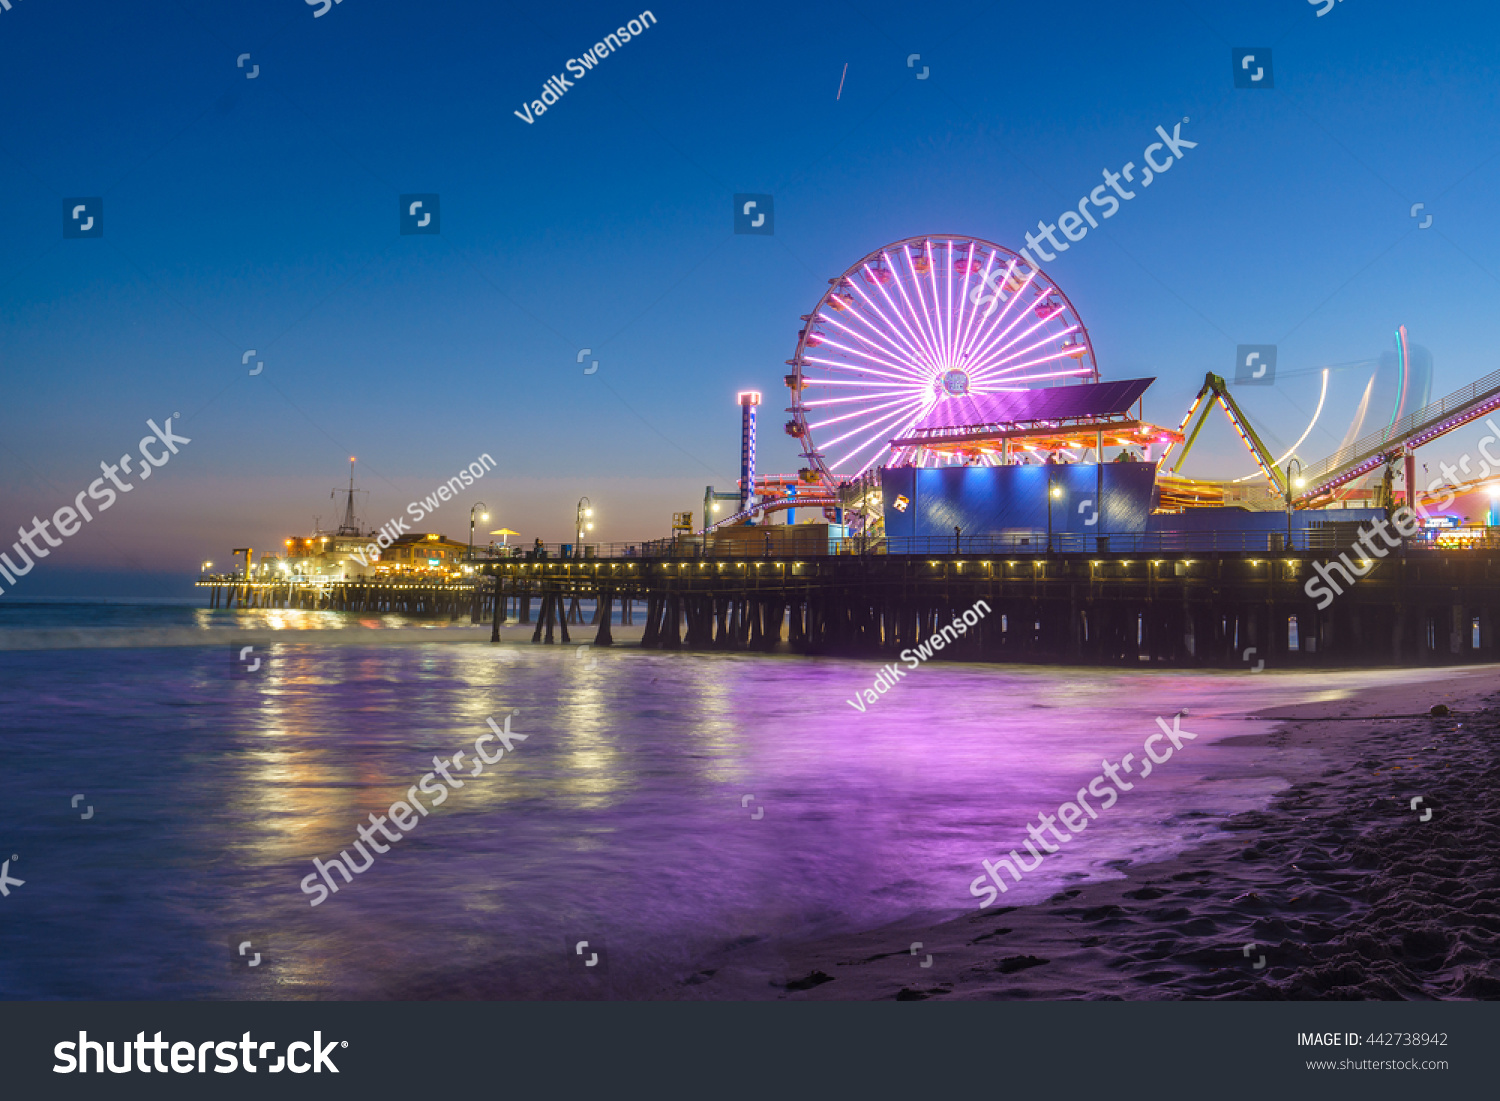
207,566
581,523
1291,483
1053,492
485,516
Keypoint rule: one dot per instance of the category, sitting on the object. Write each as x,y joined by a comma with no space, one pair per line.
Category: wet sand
1339,890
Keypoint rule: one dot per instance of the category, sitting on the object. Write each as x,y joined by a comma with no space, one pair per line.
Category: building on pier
423,554
330,557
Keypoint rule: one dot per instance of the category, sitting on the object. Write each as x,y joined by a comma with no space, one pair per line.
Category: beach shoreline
1338,890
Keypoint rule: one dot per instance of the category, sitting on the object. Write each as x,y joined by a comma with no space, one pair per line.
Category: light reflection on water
620,817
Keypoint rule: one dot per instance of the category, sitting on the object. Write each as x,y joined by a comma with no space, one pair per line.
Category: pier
1221,609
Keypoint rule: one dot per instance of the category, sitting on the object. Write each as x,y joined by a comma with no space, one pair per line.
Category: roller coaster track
777,505
1410,432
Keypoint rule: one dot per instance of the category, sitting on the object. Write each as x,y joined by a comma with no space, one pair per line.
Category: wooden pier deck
1190,610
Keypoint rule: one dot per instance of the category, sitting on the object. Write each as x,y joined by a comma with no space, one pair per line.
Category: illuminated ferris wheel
918,322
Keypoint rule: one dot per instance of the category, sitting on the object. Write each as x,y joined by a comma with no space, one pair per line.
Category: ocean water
669,808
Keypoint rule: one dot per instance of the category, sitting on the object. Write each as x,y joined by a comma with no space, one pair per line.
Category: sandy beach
1339,890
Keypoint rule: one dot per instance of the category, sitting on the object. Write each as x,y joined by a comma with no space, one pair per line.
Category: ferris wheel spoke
968,256
876,426
1070,373
864,403
1003,299
920,314
1009,389
993,337
897,395
934,355
923,315
947,314
864,373
896,435
961,337
917,353
980,322
919,348
921,321
903,400
900,383
877,344
1033,327
876,437
1005,366
912,339
986,342
904,370
1037,363
999,360
938,314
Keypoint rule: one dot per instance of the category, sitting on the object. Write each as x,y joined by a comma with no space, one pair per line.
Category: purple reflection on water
629,814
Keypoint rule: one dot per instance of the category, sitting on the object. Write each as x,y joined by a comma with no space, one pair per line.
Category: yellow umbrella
504,534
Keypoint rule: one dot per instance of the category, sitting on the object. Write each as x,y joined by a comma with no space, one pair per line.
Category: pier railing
1334,535
1148,542
1330,538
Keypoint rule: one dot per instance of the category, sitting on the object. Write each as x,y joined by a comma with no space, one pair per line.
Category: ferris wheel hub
955,382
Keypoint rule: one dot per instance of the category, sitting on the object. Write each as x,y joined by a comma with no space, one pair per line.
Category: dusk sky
262,214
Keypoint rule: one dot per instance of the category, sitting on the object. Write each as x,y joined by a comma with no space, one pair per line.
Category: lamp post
1290,484
581,523
1052,493
485,516
711,503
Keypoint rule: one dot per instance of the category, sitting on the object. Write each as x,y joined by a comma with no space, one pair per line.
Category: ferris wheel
917,322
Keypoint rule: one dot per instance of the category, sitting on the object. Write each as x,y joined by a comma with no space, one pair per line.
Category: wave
152,638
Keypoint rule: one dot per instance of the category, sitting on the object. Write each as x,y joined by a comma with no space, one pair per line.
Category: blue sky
262,213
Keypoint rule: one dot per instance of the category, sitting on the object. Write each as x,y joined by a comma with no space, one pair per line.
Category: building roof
428,538
1092,400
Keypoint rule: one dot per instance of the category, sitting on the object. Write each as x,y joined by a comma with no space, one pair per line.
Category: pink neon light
882,355
913,344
